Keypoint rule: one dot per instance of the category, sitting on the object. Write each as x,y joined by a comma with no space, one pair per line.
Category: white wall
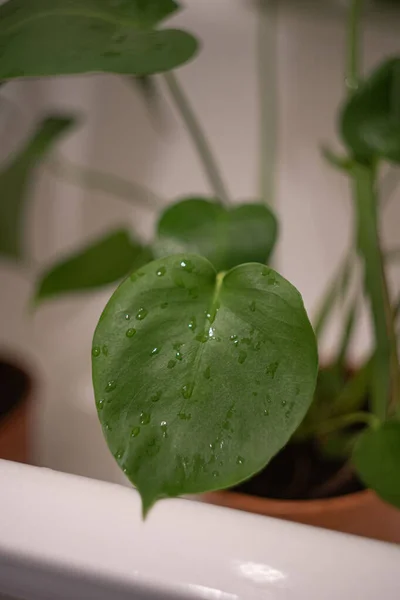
118,136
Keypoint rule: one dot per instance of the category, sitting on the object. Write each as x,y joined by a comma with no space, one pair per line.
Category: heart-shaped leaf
376,457
370,120
14,179
99,264
227,237
55,37
201,378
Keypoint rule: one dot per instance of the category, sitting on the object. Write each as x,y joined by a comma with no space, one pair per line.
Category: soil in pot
15,392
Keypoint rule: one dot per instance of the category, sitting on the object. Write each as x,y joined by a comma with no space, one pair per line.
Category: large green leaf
376,457
201,378
370,120
99,264
60,37
14,179
245,233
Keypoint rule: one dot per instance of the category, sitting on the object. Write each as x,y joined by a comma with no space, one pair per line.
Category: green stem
132,192
353,43
385,381
198,137
344,421
267,84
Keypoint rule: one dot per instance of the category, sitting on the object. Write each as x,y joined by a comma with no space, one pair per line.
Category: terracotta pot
362,513
15,413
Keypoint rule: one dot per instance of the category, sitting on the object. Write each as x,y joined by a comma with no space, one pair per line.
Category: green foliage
61,37
101,263
201,378
376,457
227,237
370,119
14,179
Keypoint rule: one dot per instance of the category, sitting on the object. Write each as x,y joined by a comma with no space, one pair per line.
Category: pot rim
283,507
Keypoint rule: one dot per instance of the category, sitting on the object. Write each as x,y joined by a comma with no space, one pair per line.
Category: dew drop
187,265
161,272
266,412
130,332
135,432
111,385
207,372
96,351
283,402
144,418
239,460
156,396
141,314
287,414
171,364
233,338
252,306
118,455
163,426
127,316
100,404
192,324
107,427
155,351
105,350
265,272
164,305
242,357
187,391
255,393
179,355
215,473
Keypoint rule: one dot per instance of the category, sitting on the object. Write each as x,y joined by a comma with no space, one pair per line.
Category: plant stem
385,383
198,136
353,39
130,191
344,421
267,85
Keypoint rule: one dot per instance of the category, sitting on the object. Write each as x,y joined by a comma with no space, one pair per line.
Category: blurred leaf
105,261
370,120
14,179
246,233
338,445
55,37
376,457
205,376
343,163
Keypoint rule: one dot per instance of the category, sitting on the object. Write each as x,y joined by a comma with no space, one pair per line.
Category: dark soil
14,386
299,472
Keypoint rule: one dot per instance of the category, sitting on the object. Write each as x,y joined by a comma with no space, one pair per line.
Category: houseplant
226,369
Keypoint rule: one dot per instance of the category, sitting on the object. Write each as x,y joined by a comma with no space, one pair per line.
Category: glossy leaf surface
99,264
376,457
245,233
370,120
199,380
61,37
14,178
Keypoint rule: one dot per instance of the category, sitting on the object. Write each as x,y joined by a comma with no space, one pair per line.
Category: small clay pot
15,412
361,513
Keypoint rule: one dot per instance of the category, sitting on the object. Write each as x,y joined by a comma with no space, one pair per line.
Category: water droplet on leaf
239,460
96,351
135,432
141,314
144,418
171,364
242,357
111,385
207,373
130,332
161,272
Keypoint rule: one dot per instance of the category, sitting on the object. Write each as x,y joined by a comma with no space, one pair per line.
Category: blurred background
118,134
